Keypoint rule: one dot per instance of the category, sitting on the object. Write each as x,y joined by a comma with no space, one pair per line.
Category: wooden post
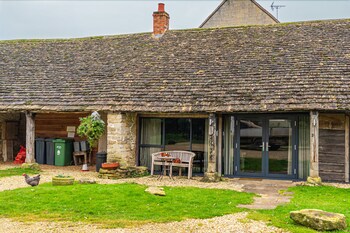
211,174
347,144
30,137
4,144
102,142
219,146
314,134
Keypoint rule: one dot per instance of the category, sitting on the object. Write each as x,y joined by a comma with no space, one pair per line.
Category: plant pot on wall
62,180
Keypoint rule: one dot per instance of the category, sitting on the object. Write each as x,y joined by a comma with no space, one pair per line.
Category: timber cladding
332,147
54,125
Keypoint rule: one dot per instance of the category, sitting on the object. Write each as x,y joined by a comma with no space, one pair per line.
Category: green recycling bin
63,151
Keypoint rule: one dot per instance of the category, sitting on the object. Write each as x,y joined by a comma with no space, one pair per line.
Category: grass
17,171
325,198
118,205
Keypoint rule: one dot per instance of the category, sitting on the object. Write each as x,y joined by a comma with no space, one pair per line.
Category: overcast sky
21,19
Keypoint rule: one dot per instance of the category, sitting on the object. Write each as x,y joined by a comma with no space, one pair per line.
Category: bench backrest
184,156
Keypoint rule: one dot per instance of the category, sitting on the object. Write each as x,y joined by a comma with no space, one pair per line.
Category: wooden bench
186,160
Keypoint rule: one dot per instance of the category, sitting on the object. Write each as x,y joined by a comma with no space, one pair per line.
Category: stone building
238,13
259,101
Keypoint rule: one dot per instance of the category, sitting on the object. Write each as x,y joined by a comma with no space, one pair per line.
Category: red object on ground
110,166
21,156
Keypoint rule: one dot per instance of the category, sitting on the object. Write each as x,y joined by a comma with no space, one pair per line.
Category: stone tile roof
285,67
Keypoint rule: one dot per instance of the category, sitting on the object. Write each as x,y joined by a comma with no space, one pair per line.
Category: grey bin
50,151
84,145
40,155
101,157
76,146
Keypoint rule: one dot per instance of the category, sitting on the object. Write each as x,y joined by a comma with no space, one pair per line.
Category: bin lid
40,139
103,153
49,139
63,140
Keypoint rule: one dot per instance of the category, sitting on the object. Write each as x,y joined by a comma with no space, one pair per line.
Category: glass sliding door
251,139
280,149
304,147
159,134
150,139
199,145
228,147
177,134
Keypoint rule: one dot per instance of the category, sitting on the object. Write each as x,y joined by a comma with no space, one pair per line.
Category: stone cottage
238,13
261,101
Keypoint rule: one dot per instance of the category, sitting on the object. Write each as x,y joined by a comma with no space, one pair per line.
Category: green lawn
119,204
122,205
17,171
325,198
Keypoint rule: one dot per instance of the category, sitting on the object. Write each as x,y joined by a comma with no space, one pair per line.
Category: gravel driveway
227,223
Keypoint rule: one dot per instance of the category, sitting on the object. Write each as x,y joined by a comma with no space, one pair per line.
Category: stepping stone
87,181
155,191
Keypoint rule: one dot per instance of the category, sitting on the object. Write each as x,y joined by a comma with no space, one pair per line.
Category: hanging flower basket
62,180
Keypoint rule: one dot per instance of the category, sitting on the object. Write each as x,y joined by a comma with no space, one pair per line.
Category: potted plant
62,180
92,128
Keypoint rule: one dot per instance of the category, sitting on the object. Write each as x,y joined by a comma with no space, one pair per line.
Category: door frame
265,153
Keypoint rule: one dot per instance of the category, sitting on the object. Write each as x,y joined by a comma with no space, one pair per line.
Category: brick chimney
160,21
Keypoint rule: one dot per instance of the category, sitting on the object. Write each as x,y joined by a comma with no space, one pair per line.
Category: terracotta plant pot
62,180
110,166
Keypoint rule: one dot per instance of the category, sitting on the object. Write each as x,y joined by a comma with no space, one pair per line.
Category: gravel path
227,223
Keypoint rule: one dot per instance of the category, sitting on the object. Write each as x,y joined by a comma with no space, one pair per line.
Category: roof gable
238,12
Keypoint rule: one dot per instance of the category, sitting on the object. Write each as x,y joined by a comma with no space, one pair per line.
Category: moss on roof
284,67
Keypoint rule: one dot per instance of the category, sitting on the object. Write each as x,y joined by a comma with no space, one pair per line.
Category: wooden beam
30,137
4,145
314,137
347,144
102,142
174,115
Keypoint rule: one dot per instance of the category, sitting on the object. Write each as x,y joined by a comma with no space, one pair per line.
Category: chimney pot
160,7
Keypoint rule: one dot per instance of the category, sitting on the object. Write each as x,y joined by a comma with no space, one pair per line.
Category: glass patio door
266,146
250,145
280,147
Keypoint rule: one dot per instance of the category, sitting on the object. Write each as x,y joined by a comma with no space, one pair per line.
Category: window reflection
177,134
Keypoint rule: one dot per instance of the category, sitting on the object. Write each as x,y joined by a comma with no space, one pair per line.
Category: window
157,134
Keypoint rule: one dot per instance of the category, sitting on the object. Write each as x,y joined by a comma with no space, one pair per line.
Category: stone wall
237,13
122,138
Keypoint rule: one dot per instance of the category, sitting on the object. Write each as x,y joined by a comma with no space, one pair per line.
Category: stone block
33,166
319,220
211,177
314,181
155,191
107,171
87,181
